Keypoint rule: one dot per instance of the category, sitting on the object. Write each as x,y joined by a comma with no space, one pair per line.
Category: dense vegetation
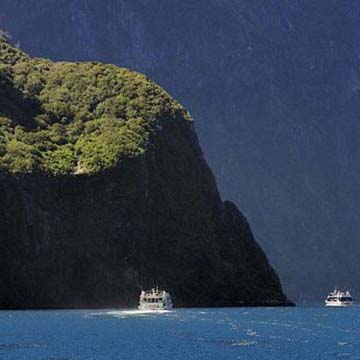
74,118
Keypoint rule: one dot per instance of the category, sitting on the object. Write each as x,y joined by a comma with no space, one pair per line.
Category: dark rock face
83,241
274,87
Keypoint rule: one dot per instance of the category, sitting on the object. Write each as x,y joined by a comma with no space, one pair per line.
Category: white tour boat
339,298
155,299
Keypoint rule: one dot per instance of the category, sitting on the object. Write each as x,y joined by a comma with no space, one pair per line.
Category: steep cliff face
152,215
275,88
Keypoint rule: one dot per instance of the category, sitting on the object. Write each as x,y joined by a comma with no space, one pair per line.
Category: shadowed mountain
105,191
274,87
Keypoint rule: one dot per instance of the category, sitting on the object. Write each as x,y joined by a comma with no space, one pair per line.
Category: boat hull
154,308
338,304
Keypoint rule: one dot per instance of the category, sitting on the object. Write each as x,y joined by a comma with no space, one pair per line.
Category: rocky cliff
274,87
105,191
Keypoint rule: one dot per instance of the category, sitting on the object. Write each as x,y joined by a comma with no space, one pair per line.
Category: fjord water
245,333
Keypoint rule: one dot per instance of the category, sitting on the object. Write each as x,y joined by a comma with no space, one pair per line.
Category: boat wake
130,313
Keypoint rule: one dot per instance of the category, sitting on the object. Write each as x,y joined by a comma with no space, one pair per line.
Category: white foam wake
127,313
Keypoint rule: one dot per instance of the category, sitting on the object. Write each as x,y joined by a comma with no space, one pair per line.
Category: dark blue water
282,333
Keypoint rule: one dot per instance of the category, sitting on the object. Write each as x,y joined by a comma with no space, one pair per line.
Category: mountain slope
104,191
275,89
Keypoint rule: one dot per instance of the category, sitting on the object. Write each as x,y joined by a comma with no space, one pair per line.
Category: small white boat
339,298
155,299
